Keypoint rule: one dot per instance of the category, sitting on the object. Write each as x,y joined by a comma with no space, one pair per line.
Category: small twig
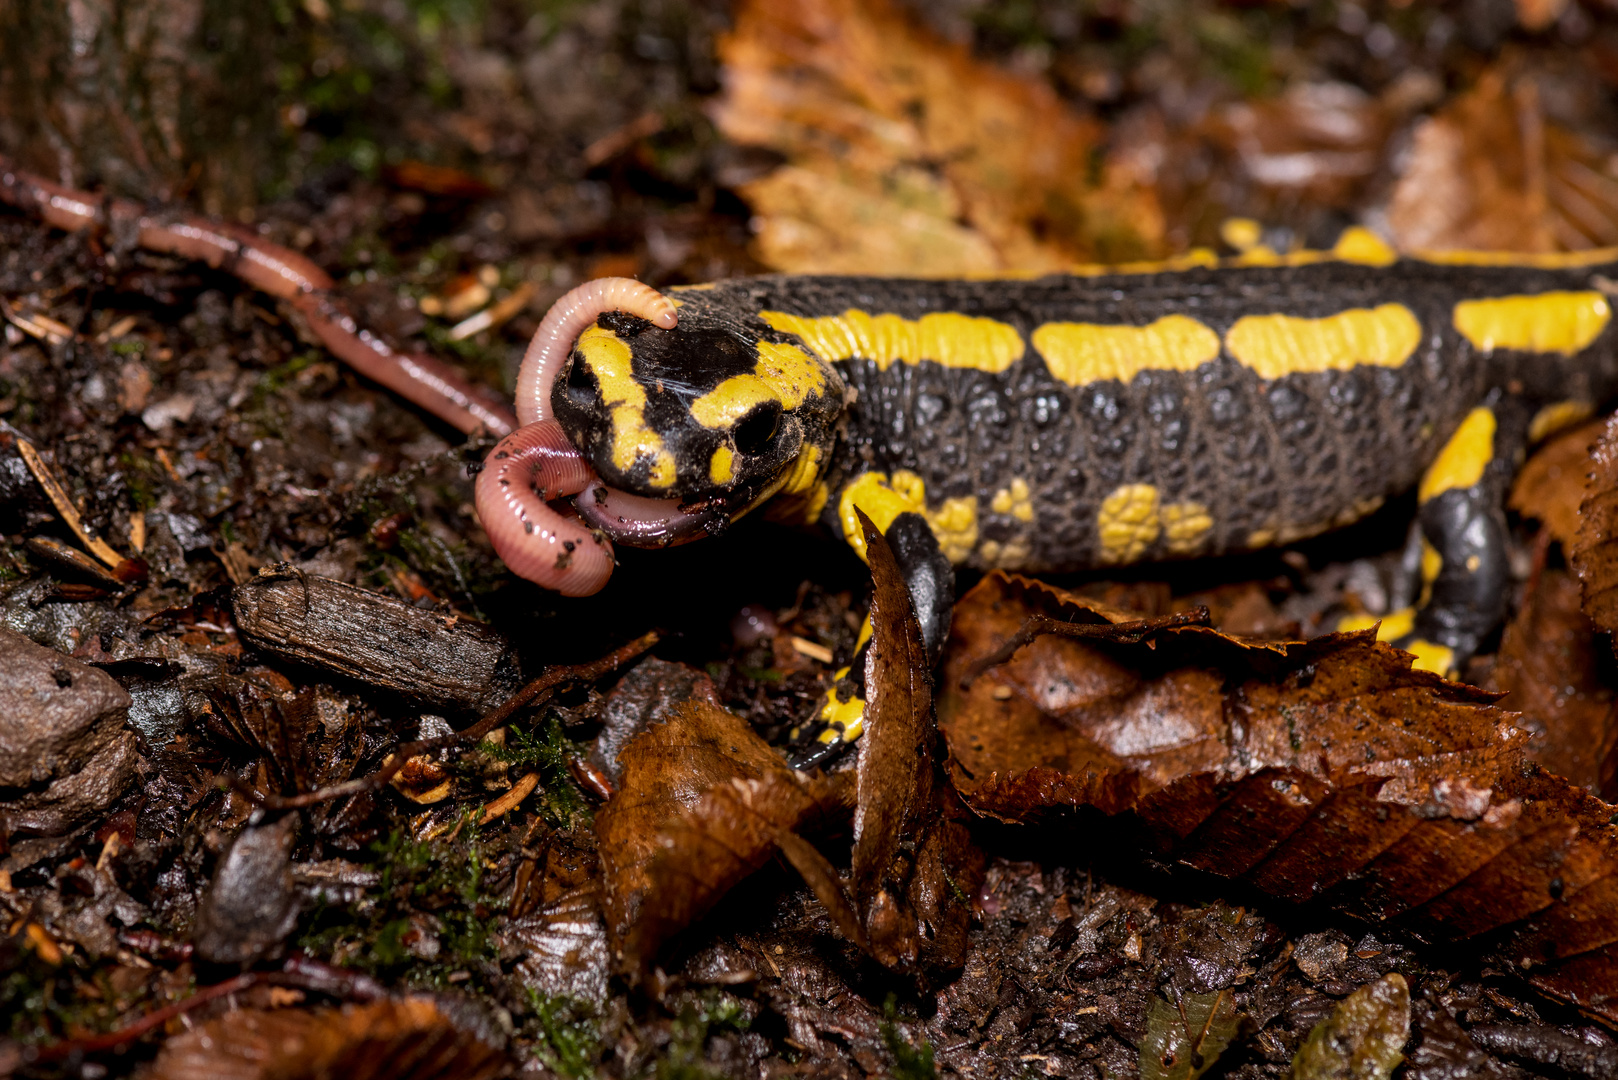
1125,633
125,570
509,801
534,692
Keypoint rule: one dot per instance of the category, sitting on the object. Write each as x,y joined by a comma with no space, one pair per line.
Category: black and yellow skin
1079,421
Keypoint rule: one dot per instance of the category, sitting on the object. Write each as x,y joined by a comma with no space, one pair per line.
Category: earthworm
422,380
535,463
566,320
524,470
524,530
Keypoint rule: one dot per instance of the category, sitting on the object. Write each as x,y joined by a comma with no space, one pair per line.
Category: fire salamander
1099,419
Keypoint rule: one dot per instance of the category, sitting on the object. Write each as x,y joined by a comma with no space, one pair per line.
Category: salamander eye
757,429
581,381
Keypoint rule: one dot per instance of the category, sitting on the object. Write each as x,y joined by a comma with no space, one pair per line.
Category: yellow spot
1462,461
954,523
881,500
1563,322
1261,538
608,358
1357,510
805,471
1288,534
1360,245
1186,526
1472,564
845,720
1080,353
1277,345
784,374
1128,523
1196,257
1431,656
703,287
803,494
1008,556
1432,563
1241,233
1393,625
722,466
861,638
1014,501
948,338
1260,255
1557,417
1548,260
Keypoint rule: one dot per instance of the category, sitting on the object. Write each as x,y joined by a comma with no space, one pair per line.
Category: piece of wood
445,661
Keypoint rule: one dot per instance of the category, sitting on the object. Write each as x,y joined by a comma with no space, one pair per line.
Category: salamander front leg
1465,567
840,719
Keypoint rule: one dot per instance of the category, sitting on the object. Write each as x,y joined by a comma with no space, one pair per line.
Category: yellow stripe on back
1080,353
1564,322
944,337
1277,345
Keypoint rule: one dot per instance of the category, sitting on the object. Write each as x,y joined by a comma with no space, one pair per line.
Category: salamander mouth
638,521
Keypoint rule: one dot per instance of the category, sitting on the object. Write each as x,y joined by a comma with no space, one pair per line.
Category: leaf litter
209,447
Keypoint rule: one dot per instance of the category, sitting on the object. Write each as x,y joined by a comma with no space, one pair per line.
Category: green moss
910,1061
546,749
566,1033
437,885
702,1015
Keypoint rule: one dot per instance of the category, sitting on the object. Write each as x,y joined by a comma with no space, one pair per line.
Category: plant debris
309,785
1363,1036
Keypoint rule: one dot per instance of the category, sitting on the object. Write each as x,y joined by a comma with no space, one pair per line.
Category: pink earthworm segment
532,464
566,320
429,383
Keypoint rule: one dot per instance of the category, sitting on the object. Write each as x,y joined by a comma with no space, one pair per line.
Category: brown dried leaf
410,1039
906,155
1490,171
896,755
1328,767
701,801
562,946
1320,141
1550,486
732,831
1594,554
913,860
1549,665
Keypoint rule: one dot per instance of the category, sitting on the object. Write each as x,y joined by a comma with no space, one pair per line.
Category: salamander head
709,413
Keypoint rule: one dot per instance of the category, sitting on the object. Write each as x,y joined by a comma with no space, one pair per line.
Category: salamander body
1087,420
1071,422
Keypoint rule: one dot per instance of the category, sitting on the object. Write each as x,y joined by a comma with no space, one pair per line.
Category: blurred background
484,155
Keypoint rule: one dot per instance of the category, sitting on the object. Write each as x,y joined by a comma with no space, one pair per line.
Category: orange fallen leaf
409,1039
907,156
1594,554
1550,486
1491,171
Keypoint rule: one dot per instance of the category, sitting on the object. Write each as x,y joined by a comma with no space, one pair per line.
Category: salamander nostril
757,429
